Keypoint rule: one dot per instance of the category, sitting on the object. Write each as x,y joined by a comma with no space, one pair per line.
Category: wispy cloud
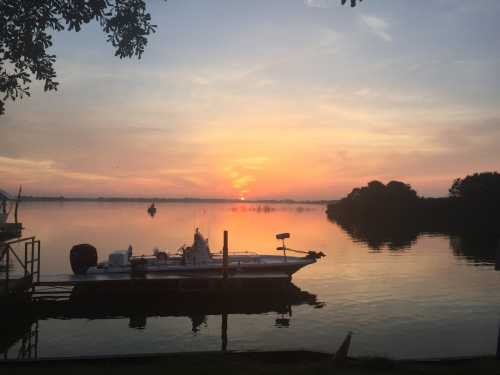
318,3
46,167
377,26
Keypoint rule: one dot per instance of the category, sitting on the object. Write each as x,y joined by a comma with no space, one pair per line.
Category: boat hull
287,267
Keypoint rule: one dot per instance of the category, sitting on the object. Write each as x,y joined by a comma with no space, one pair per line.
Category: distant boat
152,209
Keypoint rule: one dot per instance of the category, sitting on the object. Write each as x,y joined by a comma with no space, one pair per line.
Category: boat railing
237,253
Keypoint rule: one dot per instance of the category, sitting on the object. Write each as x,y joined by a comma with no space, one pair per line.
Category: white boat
192,259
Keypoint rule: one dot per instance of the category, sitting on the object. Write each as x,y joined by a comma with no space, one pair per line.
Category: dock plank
73,280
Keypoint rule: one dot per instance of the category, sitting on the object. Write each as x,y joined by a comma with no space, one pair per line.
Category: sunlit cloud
377,26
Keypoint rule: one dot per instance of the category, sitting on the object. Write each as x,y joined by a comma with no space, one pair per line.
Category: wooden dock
160,284
55,287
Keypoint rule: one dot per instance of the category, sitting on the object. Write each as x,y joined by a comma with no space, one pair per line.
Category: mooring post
225,255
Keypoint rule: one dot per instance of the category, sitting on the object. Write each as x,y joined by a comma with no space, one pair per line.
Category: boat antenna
283,237
17,202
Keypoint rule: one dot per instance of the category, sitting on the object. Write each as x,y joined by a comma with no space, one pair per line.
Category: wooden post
25,266
497,259
32,257
498,343
7,264
224,332
225,255
38,262
17,203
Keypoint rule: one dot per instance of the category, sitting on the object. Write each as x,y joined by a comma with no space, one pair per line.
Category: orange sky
290,99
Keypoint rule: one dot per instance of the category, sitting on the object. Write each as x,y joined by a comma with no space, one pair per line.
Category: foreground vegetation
263,363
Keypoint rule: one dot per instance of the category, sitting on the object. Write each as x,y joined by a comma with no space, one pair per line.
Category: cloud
241,172
27,167
377,26
318,3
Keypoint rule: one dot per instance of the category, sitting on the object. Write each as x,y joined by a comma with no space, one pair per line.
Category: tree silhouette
393,215
25,36
479,186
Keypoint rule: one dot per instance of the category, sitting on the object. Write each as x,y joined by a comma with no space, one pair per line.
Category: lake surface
426,300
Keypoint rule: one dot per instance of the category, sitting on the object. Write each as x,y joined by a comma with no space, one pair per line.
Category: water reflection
20,333
429,302
477,247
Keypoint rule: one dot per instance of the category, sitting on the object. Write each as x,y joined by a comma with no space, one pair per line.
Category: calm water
423,301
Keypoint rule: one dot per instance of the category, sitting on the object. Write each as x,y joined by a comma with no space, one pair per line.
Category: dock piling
498,344
225,255
497,258
224,332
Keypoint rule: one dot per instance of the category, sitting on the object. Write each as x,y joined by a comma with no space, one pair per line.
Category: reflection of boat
196,258
82,305
152,209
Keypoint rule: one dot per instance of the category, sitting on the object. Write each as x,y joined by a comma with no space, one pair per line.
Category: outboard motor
82,257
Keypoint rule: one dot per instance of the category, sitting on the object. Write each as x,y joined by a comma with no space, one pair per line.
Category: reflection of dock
22,337
82,305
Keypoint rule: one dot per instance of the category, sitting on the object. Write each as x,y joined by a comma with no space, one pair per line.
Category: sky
266,99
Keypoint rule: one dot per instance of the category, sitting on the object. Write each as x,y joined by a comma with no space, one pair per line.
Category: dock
20,276
64,286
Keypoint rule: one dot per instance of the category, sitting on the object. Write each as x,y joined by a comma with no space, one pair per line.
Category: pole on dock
17,204
225,255
224,332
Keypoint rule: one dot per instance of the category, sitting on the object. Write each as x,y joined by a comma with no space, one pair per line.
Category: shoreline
171,200
261,362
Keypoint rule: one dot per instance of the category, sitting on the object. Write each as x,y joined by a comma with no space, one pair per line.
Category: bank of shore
254,363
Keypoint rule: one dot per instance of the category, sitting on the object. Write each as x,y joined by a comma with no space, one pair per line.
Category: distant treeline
473,200
394,214
172,200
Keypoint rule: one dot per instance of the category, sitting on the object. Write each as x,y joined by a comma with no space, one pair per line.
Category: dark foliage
353,2
376,200
480,188
393,215
25,35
